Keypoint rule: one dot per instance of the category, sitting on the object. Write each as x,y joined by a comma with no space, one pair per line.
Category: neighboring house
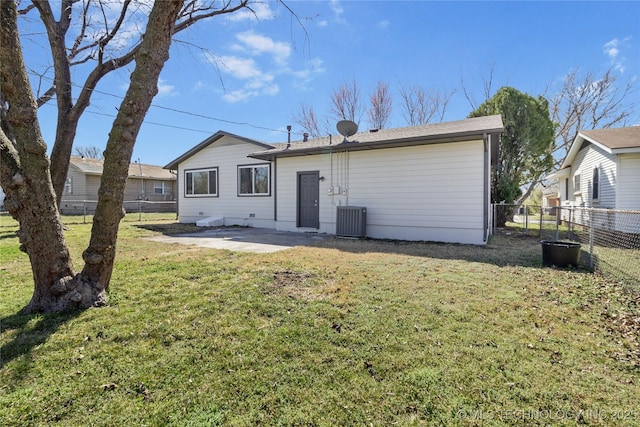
428,182
550,196
602,170
146,183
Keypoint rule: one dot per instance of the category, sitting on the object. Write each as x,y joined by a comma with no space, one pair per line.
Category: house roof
136,170
611,140
460,130
210,140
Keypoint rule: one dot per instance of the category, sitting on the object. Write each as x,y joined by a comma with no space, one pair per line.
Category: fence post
540,233
570,225
526,219
493,219
140,210
84,211
558,217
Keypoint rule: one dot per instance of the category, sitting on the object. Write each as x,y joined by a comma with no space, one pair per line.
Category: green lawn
345,333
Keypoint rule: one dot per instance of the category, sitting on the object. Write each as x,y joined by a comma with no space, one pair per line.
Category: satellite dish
346,128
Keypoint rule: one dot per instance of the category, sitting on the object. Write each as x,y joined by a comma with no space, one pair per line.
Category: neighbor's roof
136,170
611,140
210,140
460,130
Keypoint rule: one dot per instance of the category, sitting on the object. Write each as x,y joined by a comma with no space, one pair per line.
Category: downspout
275,191
176,193
487,184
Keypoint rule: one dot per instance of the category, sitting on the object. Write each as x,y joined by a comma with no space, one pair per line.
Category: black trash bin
560,254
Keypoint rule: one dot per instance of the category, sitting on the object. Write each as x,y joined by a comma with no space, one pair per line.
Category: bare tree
307,120
346,103
487,83
380,108
89,152
100,44
589,102
25,175
584,103
420,107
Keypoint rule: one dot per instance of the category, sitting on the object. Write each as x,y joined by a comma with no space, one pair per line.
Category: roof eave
629,150
173,165
394,143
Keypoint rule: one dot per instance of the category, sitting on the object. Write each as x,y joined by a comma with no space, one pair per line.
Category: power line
154,123
175,110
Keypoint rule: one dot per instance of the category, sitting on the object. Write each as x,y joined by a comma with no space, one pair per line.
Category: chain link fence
610,238
86,208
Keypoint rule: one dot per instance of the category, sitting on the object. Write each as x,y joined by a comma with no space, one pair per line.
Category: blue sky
250,76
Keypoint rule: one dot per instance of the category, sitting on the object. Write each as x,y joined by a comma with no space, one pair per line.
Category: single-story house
147,186
602,170
428,182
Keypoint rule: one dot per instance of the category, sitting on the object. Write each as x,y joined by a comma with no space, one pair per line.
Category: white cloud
241,68
314,67
165,89
256,64
258,44
612,49
255,81
383,24
261,11
338,10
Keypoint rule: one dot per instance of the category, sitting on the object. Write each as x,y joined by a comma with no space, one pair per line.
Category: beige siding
150,190
430,192
225,154
75,202
85,186
134,189
629,182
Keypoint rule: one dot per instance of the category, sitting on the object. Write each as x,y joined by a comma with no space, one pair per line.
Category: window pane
200,182
262,180
158,187
189,181
596,183
246,185
213,184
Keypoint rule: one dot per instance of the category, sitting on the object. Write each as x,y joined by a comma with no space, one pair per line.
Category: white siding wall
287,170
429,192
586,160
628,182
225,154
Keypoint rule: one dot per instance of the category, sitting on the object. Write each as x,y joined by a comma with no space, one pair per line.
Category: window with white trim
68,186
576,184
161,187
595,191
254,180
201,182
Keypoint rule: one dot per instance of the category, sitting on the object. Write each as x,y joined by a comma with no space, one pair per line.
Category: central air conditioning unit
351,221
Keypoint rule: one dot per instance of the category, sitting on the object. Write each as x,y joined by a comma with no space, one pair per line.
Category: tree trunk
154,51
24,174
66,125
25,168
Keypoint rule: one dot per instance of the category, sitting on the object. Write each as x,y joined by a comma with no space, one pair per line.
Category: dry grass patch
341,333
